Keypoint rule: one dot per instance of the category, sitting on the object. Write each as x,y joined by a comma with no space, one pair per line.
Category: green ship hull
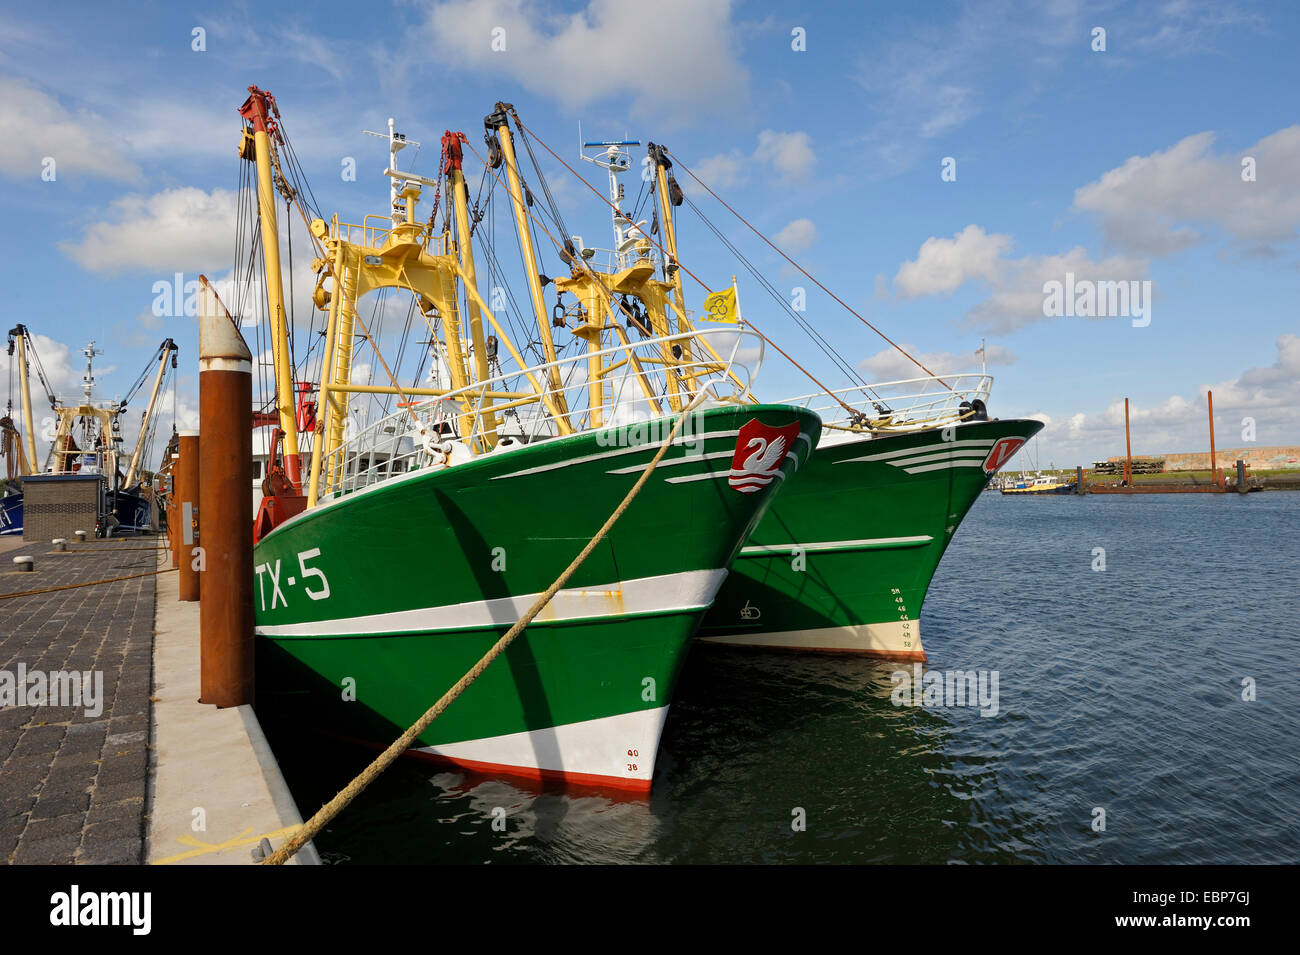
843,559
369,607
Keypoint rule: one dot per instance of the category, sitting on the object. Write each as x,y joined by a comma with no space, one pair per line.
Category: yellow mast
670,245
327,401
459,196
27,398
167,348
337,365
499,118
661,161
257,109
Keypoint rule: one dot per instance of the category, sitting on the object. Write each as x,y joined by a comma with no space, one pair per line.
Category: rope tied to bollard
327,812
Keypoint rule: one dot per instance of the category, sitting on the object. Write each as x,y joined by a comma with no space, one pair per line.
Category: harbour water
1119,689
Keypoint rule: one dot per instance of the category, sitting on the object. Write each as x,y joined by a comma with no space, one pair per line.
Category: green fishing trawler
843,560
390,563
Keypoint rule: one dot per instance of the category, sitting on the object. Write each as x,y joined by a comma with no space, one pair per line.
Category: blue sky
1115,165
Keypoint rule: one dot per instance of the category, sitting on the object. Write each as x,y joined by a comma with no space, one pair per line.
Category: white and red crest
1002,452
760,451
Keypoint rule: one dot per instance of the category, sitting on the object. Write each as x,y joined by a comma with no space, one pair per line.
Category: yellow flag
721,306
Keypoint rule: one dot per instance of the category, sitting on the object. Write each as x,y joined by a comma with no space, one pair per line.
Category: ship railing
611,261
374,234
909,404
636,383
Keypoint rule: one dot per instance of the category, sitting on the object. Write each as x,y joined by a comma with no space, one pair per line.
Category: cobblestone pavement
73,778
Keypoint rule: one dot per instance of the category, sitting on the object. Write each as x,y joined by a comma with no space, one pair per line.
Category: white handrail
906,404
428,433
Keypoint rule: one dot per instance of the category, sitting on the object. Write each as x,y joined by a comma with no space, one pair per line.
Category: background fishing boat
843,560
86,439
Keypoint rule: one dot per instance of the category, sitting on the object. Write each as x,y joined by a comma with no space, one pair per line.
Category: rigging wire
811,331
806,273
853,412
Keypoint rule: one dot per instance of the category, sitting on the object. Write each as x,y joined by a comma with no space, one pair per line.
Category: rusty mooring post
226,459
1215,476
173,518
1128,450
187,513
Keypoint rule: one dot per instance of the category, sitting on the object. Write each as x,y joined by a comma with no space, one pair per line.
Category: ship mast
458,194
88,441
258,109
26,395
499,121
168,349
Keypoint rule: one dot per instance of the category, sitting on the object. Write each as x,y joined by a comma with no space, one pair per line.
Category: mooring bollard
1078,480
225,415
25,563
60,543
80,536
188,487
1241,477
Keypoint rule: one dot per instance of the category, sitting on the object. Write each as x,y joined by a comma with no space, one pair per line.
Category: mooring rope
92,583
327,812
87,583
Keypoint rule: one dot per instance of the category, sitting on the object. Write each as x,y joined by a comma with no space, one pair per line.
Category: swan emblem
760,452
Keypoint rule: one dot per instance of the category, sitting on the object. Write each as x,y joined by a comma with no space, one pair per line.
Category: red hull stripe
585,780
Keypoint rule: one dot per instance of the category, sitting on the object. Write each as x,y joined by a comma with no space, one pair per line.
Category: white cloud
1171,199
34,125
790,154
890,364
797,236
1274,388
60,371
183,229
721,171
1017,297
942,265
593,54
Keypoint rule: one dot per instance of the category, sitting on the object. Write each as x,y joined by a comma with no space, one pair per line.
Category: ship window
257,470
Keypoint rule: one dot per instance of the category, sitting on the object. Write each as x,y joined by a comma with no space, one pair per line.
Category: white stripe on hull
666,593
592,748
873,639
938,447
816,547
